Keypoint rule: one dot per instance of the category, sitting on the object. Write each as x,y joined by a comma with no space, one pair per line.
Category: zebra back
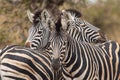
85,61
21,63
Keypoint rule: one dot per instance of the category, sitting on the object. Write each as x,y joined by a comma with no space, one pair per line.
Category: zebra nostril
27,44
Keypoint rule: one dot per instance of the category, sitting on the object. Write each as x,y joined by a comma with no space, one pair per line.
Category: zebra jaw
30,16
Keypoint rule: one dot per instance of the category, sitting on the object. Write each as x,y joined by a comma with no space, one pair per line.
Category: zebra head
69,15
68,22
57,43
80,29
39,32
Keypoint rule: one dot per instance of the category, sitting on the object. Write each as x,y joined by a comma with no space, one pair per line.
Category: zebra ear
67,26
50,24
67,15
44,15
30,16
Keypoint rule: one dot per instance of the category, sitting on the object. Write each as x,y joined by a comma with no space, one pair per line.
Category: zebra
39,34
80,60
80,29
21,63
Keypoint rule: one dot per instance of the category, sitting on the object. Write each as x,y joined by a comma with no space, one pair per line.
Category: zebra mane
58,25
74,12
36,15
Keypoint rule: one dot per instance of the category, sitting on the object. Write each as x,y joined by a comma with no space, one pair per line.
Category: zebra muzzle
56,64
27,44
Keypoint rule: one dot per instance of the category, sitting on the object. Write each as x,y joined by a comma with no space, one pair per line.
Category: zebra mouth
56,64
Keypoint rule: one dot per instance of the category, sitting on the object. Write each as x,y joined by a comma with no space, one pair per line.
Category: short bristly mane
58,25
74,12
37,15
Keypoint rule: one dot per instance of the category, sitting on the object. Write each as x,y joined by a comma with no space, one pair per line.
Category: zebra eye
36,21
39,32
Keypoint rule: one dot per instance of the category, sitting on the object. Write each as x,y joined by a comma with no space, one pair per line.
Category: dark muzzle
27,44
56,64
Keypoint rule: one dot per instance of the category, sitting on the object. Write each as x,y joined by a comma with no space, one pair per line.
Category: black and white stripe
80,29
26,64
39,32
83,61
19,63
80,60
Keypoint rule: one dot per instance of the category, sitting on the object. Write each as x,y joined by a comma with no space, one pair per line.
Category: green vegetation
14,23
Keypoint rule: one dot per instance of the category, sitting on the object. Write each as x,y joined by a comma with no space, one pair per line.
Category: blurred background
14,24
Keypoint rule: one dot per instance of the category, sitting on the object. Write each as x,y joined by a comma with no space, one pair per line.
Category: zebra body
84,61
19,63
